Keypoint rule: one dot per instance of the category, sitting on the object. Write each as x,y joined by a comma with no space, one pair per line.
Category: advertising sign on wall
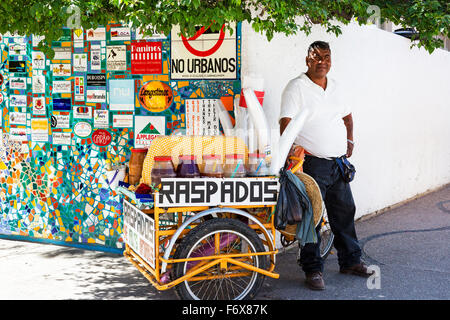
147,128
98,34
155,96
80,62
39,130
121,94
79,89
82,129
97,96
38,60
101,137
116,58
206,55
96,80
96,58
62,138
60,121
146,58
39,106
101,118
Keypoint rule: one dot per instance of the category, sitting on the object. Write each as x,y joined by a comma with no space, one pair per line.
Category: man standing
327,134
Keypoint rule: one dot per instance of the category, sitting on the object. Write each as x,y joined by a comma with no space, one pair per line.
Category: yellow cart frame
261,224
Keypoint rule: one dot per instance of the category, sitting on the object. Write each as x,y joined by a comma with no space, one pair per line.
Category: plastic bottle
187,167
256,166
213,166
234,166
162,168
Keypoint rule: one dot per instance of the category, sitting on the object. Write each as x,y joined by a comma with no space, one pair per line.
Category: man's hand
348,122
349,149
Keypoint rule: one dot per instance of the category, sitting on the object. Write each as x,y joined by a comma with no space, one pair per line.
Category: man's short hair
318,45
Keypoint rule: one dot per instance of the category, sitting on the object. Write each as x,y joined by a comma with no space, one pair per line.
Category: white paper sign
63,53
18,100
19,83
38,61
18,134
79,62
18,118
201,117
116,58
96,57
101,118
60,121
62,138
82,112
38,84
39,130
95,95
39,106
122,120
61,69
120,34
98,34
82,129
62,86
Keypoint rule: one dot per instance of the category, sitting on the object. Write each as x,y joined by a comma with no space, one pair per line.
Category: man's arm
283,124
348,122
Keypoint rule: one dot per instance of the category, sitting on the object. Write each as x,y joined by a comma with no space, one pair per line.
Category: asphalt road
409,244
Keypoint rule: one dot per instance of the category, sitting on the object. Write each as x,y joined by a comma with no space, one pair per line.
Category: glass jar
213,166
257,166
162,168
187,167
234,166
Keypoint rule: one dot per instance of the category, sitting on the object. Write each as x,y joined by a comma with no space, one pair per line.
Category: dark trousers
340,207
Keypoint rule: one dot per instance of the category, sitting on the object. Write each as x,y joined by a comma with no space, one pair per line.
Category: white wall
400,97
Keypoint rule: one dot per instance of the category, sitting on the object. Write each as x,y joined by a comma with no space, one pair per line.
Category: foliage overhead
429,18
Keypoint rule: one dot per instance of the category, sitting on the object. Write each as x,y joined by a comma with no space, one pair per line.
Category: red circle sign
101,137
206,52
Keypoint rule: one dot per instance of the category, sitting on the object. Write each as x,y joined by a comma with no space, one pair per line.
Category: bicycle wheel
327,237
230,282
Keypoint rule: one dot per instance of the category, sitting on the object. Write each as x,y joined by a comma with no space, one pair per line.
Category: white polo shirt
324,134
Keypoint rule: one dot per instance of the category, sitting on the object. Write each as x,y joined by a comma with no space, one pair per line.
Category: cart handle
297,166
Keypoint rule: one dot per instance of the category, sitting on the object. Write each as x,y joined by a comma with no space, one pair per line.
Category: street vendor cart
209,238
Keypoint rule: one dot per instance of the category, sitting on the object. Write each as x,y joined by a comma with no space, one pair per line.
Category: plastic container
187,167
136,163
162,168
234,166
256,166
213,167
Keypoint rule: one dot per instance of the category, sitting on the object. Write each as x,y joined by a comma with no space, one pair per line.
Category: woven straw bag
315,197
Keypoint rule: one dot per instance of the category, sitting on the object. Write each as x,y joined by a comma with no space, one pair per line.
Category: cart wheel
221,281
326,236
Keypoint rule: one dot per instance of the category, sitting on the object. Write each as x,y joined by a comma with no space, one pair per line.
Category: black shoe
314,280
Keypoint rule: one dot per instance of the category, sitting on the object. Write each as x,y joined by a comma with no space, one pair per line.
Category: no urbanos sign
205,55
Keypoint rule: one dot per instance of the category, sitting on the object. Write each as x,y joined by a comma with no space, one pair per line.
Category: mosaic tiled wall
53,178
